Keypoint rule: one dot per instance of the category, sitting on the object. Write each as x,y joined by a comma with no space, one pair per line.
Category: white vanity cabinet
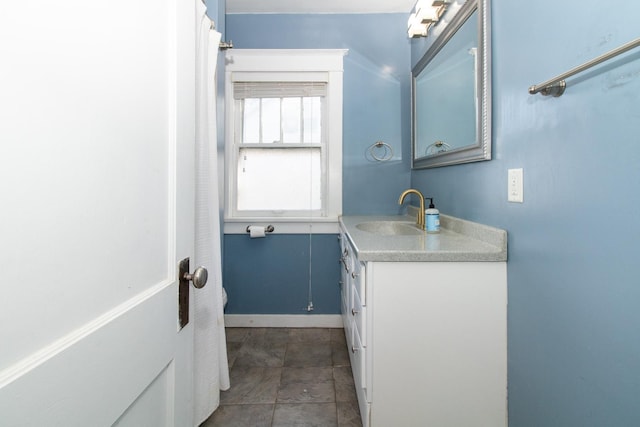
427,340
355,321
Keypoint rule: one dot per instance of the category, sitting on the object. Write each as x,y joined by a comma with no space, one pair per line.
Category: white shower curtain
211,368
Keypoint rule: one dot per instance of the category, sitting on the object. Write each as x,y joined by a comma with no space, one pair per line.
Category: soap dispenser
432,218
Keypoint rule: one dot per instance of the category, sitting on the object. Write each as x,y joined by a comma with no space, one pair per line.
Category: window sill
284,226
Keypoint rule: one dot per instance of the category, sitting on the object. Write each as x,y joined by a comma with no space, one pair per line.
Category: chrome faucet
420,216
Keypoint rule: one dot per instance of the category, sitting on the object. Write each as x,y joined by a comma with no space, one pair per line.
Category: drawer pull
354,349
354,274
354,311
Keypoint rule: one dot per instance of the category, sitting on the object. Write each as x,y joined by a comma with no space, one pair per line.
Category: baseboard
283,320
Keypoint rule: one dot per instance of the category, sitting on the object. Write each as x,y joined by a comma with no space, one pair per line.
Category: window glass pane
278,179
291,116
251,121
270,120
312,119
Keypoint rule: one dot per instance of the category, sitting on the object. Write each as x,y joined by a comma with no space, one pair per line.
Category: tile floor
287,377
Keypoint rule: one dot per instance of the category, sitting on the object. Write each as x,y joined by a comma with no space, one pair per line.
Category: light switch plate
515,190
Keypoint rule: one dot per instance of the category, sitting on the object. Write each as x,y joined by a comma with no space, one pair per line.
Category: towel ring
437,147
380,151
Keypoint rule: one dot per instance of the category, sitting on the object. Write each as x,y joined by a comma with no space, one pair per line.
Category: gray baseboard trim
283,320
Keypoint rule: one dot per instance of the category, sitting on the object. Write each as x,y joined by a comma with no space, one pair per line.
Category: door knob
198,277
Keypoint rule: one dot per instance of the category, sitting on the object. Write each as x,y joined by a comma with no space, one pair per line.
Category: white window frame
261,65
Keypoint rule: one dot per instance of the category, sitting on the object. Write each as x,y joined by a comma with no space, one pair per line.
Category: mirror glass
452,94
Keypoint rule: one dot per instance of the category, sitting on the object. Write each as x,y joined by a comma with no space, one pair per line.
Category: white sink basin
389,228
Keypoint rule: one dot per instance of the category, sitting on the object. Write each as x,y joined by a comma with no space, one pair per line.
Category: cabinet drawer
346,312
346,257
358,354
359,280
358,313
344,293
358,360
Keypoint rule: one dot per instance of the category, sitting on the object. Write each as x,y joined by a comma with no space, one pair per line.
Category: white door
96,210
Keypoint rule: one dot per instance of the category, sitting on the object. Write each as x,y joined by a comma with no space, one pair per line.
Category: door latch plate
183,293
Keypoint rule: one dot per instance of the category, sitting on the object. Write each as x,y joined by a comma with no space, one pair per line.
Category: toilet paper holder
267,229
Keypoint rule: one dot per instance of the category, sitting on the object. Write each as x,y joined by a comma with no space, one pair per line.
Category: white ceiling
319,6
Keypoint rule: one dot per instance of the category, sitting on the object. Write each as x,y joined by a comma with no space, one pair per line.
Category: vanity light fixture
415,28
425,14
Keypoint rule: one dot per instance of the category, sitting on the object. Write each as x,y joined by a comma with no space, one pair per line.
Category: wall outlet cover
515,186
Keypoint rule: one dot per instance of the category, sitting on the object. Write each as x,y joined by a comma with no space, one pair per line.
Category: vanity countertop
458,241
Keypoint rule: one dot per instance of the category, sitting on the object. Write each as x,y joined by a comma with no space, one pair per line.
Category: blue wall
376,89
573,269
272,275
